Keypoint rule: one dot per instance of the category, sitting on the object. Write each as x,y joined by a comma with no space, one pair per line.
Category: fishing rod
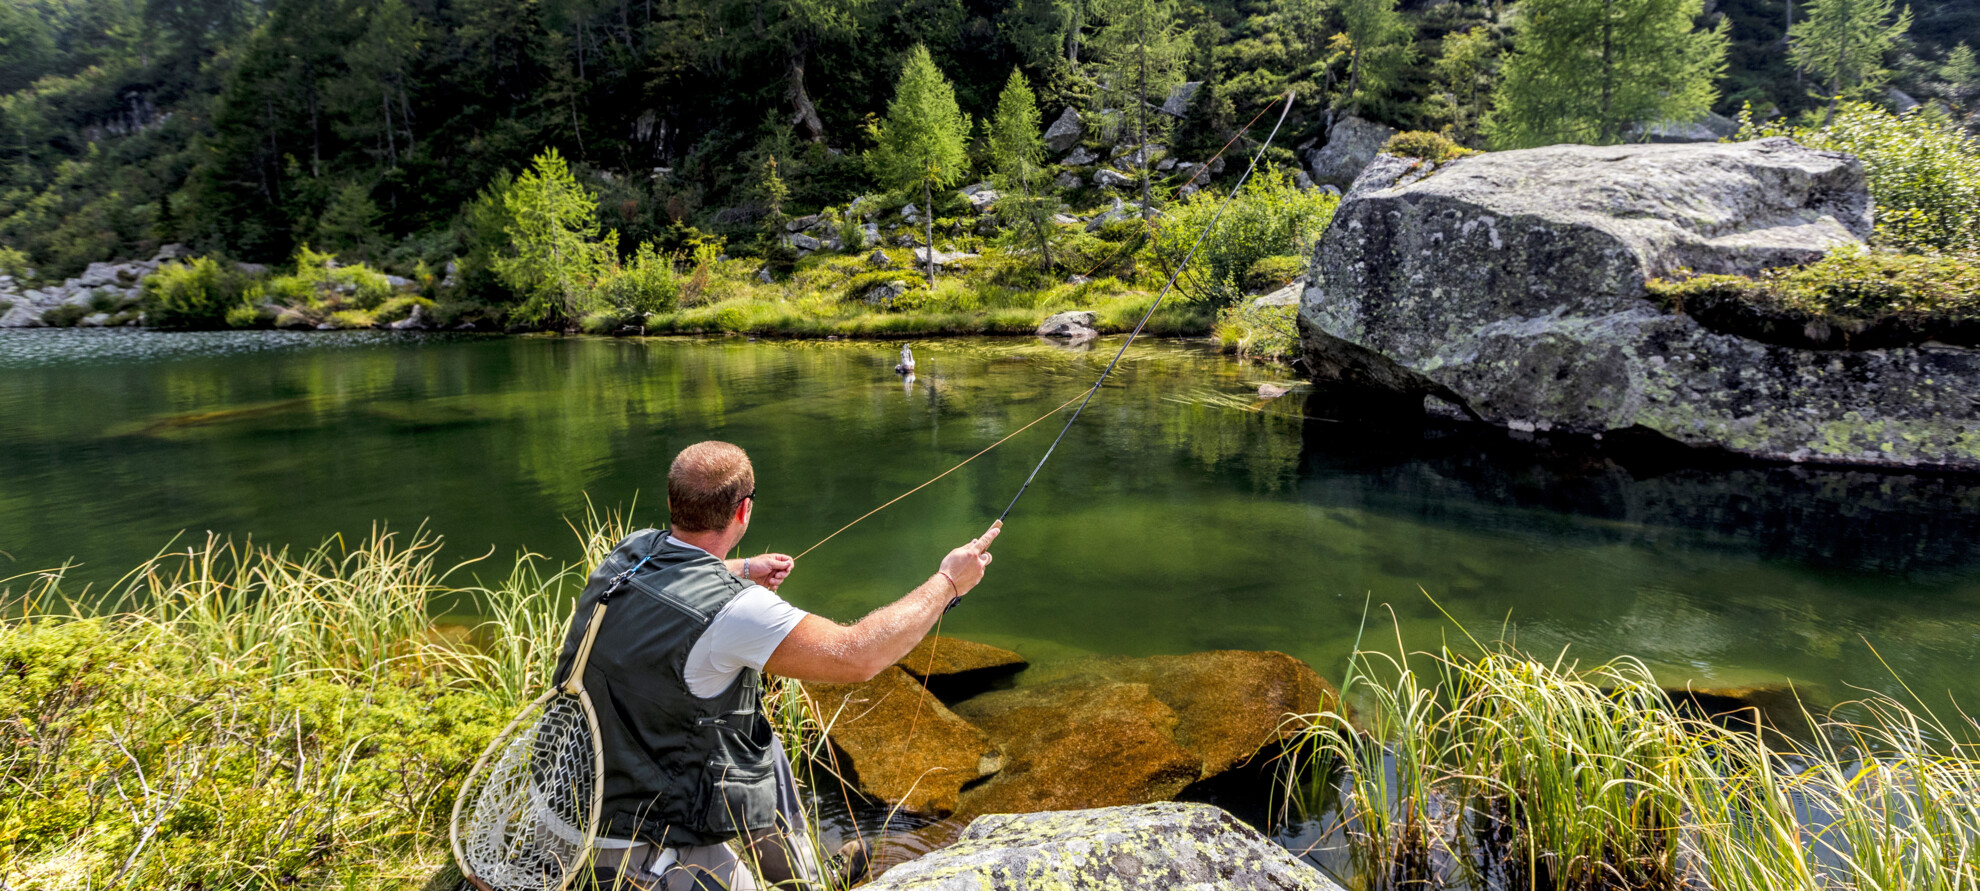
1151,308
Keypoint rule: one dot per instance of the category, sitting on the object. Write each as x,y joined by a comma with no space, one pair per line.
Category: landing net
525,822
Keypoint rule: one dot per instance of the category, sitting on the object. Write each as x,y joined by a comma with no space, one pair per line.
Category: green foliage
64,316
1425,145
1378,44
14,263
349,227
1588,70
553,256
1864,299
1017,153
1272,273
921,142
1465,71
646,284
1140,49
1924,171
1258,332
197,294
398,308
1271,217
1844,42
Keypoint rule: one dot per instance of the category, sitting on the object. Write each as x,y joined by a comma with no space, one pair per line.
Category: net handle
575,682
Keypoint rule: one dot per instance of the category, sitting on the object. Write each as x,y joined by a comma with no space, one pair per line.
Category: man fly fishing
696,786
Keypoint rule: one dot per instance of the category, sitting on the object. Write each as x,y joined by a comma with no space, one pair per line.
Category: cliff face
1509,287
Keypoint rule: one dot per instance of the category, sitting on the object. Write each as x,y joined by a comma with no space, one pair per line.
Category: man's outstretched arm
819,649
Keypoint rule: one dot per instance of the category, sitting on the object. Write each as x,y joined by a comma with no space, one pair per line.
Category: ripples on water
29,348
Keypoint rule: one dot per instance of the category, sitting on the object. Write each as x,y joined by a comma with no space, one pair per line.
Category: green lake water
1182,512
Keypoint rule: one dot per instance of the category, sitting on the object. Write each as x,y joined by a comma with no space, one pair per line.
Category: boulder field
1509,288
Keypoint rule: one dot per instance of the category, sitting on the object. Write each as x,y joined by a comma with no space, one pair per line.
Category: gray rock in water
1158,847
1107,178
1351,144
94,320
1064,132
1074,323
1512,285
1177,104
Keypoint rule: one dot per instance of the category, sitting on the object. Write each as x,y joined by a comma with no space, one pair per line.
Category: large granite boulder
898,743
1157,847
1510,287
1351,144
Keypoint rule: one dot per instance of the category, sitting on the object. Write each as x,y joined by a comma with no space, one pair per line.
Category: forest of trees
372,128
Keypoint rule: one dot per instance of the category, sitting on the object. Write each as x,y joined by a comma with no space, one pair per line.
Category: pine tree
1379,45
1018,153
922,141
1961,73
1142,50
1843,43
1588,70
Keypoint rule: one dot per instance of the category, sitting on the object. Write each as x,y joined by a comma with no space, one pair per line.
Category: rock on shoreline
1158,847
1509,288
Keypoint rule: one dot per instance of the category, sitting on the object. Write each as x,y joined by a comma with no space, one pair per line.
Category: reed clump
1505,771
232,716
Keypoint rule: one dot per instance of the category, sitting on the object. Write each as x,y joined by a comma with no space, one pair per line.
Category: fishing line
1151,308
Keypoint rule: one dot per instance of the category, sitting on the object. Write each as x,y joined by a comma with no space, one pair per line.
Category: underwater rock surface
1509,288
1159,847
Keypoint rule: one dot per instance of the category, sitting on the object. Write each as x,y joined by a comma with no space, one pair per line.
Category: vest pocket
739,799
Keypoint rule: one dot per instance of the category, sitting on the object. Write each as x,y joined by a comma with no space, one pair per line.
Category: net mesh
528,811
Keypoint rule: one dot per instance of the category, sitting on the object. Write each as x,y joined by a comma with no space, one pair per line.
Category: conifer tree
553,254
1018,153
1142,49
923,138
1379,45
1588,70
1463,70
1843,43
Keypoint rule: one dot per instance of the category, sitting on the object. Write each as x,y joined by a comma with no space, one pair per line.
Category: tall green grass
1504,771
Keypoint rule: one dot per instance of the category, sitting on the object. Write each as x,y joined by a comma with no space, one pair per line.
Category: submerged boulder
1109,731
1157,847
922,769
1076,324
1510,288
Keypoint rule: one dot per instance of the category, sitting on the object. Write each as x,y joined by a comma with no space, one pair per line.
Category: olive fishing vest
679,769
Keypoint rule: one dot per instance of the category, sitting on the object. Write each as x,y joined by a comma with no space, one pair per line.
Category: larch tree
922,140
1379,44
1589,70
1142,50
1017,152
553,253
1844,42
1464,72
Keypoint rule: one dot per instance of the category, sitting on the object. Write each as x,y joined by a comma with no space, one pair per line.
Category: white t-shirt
742,635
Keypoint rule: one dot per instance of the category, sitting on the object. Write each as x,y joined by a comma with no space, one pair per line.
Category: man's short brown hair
708,481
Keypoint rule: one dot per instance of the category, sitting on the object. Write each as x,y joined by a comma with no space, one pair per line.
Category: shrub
192,295
1924,171
64,316
1271,217
1258,332
646,285
1272,273
1425,145
15,263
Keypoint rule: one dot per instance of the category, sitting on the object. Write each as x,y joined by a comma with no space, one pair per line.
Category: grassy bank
1506,771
